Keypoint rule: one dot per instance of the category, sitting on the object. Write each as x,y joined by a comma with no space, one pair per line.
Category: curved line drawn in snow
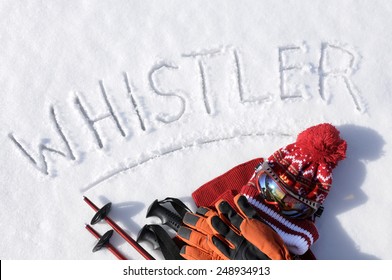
173,149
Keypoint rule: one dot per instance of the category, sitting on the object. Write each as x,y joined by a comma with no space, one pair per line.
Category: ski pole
119,230
105,242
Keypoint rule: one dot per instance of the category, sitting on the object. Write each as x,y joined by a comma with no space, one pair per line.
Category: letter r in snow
338,62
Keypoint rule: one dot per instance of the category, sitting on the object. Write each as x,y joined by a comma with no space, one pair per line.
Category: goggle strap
319,212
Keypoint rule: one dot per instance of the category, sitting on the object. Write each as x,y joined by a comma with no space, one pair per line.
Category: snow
215,83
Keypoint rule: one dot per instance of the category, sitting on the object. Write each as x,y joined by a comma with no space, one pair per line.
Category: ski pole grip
146,234
166,216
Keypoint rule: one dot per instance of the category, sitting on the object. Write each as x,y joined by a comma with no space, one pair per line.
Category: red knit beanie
306,165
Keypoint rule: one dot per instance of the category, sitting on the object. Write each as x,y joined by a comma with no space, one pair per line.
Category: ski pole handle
166,216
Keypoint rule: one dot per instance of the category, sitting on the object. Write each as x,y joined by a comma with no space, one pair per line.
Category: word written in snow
324,71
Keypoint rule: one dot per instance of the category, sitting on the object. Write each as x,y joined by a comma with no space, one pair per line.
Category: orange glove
228,234
195,233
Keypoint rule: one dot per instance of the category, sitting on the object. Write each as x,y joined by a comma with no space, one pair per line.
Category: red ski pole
117,228
105,242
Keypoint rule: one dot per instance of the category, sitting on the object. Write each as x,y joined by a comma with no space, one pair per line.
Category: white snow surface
215,83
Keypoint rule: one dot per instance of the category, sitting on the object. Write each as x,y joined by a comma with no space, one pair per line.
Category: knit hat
306,165
306,168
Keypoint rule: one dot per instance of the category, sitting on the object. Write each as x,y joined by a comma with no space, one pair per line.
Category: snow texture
132,101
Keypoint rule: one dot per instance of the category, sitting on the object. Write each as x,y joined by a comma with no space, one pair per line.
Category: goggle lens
289,206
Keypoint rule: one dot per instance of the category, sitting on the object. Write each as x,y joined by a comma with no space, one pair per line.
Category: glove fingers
193,238
229,214
221,248
233,239
203,211
245,208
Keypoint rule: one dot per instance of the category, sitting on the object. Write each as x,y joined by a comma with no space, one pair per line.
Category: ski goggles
275,192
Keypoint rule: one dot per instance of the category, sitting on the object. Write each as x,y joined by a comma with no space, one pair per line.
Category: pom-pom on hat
306,165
